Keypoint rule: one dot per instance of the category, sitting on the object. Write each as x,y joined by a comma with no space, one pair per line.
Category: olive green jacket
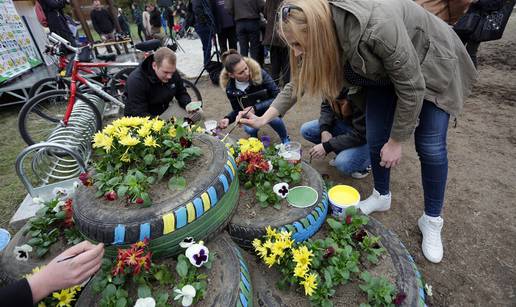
400,40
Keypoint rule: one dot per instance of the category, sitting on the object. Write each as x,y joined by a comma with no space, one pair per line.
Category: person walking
137,17
246,14
103,23
410,67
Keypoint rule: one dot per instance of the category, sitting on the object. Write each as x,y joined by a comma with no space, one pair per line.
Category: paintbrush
235,125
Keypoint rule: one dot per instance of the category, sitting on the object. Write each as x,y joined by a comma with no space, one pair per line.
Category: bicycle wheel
43,113
117,82
193,91
49,84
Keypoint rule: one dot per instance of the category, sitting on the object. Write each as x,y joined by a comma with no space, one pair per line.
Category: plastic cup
291,152
210,125
342,197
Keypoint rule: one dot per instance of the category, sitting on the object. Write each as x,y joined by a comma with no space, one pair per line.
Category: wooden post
114,13
78,14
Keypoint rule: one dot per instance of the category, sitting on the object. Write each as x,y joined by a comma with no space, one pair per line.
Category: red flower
349,219
185,143
329,252
143,262
68,210
255,161
111,196
140,244
139,200
360,235
132,257
118,269
85,178
400,297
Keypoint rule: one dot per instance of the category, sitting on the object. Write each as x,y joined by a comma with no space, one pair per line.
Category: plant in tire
63,297
320,266
53,221
132,153
134,279
261,167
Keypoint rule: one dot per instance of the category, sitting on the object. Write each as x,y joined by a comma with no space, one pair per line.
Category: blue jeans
205,35
248,34
277,124
348,160
430,141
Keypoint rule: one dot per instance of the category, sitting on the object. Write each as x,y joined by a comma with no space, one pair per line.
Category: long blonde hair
319,71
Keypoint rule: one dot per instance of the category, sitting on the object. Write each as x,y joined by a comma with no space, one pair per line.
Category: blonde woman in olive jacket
411,70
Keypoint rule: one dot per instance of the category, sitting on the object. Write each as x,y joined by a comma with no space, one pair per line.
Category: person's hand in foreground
317,151
61,275
390,154
223,123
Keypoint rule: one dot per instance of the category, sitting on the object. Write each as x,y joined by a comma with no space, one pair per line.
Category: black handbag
467,24
492,24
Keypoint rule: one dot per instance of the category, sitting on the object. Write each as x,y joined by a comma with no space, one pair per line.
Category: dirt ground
479,235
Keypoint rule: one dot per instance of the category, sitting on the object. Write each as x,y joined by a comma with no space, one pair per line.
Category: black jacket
16,294
355,137
56,19
146,95
102,21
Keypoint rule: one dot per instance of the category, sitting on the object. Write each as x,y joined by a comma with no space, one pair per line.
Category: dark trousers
248,34
429,138
141,32
471,48
227,39
205,34
280,68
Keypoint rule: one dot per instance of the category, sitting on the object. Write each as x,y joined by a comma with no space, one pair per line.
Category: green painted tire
204,207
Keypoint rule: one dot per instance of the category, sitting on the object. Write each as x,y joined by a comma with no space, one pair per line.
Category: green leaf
148,159
182,267
114,181
178,183
110,290
146,199
296,177
35,241
60,215
162,298
122,190
334,224
35,233
162,171
151,180
139,175
277,206
40,252
248,185
144,291
179,164
121,302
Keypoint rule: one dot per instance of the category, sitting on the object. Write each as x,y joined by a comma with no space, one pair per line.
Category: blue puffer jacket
259,80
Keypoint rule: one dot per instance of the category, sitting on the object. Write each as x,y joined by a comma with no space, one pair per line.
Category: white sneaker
375,202
432,245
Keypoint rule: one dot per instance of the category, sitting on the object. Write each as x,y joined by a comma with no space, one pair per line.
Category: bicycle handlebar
53,37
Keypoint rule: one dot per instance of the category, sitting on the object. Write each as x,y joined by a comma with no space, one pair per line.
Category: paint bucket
342,197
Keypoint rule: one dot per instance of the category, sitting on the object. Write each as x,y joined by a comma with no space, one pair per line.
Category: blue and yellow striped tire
200,210
303,223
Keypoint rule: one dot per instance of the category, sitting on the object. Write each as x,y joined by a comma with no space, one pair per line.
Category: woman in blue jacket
248,86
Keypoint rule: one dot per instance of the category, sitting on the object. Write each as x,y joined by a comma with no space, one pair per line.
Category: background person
280,68
408,88
246,14
243,76
103,23
56,19
153,85
226,31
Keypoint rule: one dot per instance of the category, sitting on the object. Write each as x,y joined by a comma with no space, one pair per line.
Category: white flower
38,201
22,252
428,289
270,167
145,302
197,254
76,184
58,206
187,293
281,189
187,242
59,192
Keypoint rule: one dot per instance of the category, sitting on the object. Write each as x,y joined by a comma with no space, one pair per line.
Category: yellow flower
65,298
271,233
150,142
109,129
300,271
310,283
125,156
130,121
270,260
172,132
199,130
259,248
100,140
42,304
302,255
251,144
144,131
128,140
121,132
157,125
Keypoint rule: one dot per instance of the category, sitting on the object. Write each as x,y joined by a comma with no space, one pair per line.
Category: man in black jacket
103,23
340,129
56,18
151,87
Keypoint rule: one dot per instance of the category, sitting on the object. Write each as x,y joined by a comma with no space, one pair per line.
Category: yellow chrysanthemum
128,140
121,132
157,125
144,131
259,248
300,271
42,304
271,233
270,260
250,144
310,283
302,255
125,156
109,129
130,121
65,298
150,142
100,140
172,132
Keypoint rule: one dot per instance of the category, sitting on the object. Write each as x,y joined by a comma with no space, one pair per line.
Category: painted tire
303,223
232,288
408,278
12,269
199,211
